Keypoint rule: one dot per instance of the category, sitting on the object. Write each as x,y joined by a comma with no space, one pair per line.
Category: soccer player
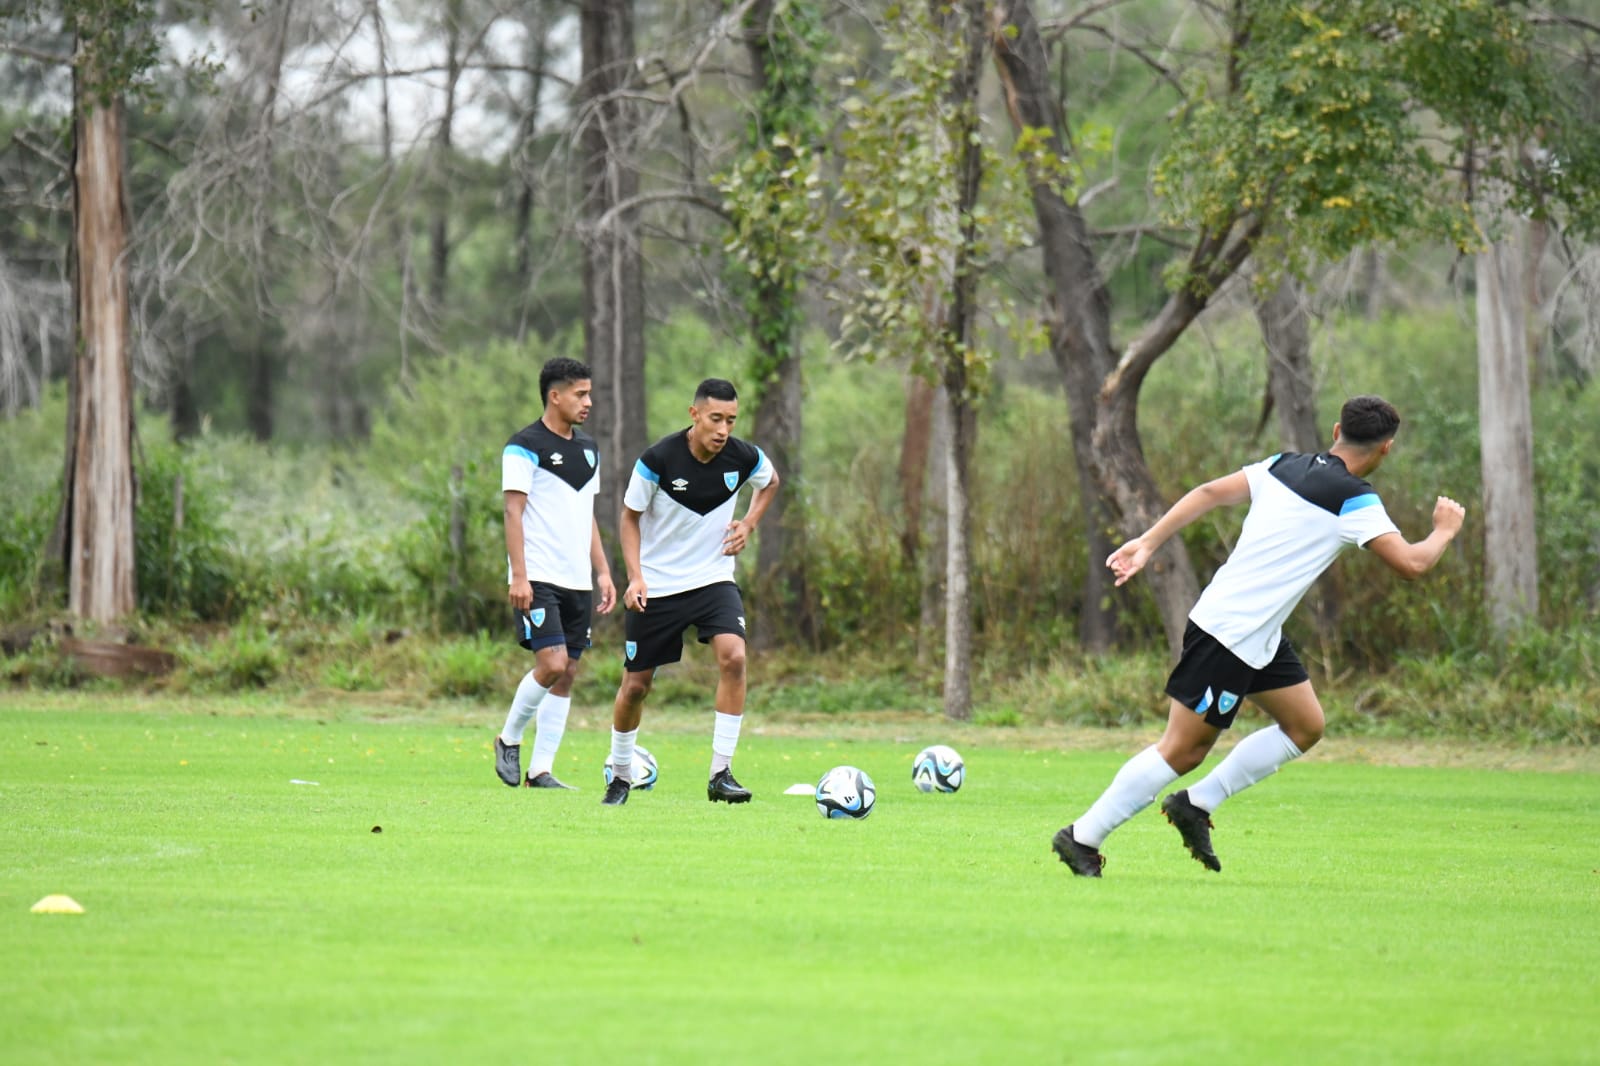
550,473
679,539
1303,510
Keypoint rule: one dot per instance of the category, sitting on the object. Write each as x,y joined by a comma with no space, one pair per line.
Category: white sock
552,725
724,741
523,707
622,754
1255,757
1131,791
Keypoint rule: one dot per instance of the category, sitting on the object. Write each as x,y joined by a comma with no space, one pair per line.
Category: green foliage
245,657
773,192
184,566
456,416
1324,125
468,666
899,221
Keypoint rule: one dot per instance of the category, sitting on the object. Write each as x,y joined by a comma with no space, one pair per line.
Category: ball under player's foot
1081,859
546,779
1194,825
722,788
616,792
508,761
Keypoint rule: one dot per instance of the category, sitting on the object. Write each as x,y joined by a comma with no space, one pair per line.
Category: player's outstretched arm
1219,492
1410,560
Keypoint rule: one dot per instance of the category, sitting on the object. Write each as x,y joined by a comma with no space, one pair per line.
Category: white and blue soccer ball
846,792
644,770
938,768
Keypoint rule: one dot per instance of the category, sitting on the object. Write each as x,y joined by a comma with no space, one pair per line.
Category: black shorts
655,634
1211,680
558,616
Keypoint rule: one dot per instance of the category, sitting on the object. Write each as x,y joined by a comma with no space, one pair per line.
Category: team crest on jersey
537,616
730,478
555,458
1227,703
630,648
678,484
588,453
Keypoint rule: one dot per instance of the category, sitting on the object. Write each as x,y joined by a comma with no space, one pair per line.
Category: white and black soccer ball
938,768
846,792
644,770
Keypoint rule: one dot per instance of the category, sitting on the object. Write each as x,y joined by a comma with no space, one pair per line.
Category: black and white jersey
561,478
685,508
1303,510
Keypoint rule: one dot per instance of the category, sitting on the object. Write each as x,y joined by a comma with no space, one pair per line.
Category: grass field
1365,913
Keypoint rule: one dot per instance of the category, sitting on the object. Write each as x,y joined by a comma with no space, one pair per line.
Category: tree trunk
957,336
959,446
1077,305
915,447
934,536
780,551
1511,568
439,229
1291,381
613,275
536,25
100,485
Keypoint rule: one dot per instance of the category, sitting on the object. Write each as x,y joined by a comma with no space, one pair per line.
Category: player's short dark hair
1368,420
715,389
561,371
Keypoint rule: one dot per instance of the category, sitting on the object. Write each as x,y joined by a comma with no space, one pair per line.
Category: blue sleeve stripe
1356,503
645,472
517,449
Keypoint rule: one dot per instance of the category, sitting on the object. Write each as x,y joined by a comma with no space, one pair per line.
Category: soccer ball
644,770
846,792
938,769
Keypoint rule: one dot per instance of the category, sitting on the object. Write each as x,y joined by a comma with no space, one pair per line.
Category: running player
1303,510
679,539
550,473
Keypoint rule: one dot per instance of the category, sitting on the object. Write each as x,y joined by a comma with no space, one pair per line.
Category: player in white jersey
550,473
1303,510
679,540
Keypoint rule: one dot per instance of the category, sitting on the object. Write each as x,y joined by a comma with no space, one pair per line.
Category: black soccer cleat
722,788
616,793
508,761
546,779
1081,859
1194,825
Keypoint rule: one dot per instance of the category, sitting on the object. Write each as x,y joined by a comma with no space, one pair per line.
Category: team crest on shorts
630,648
537,617
1227,702
731,479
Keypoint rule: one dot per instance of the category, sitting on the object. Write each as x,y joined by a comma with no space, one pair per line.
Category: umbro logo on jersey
731,479
1321,461
588,453
555,458
678,484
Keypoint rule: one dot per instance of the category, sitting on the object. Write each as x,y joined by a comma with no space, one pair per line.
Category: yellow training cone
58,905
